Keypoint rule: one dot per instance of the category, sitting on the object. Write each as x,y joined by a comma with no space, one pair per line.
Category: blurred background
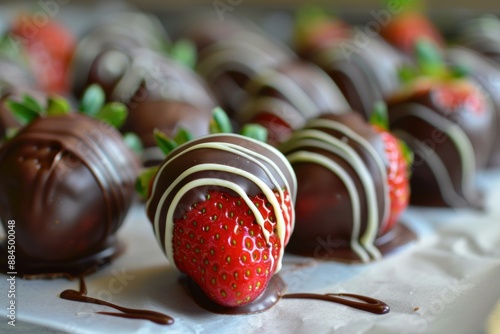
271,15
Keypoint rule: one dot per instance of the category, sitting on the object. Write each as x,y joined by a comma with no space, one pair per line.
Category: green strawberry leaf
183,136
220,122
133,142
165,144
11,133
429,58
114,113
460,71
93,100
21,112
57,105
33,104
407,74
143,182
13,48
379,115
407,153
255,131
184,52
310,15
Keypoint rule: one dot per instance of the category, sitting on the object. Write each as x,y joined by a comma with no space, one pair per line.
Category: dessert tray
446,281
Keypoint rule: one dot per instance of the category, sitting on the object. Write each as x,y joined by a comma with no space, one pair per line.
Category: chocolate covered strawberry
347,199
449,123
399,159
222,210
405,29
444,90
49,47
68,182
316,30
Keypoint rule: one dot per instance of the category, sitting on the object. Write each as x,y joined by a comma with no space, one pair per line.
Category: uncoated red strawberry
220,245
50,47
397,177
222,209
404,30
398,160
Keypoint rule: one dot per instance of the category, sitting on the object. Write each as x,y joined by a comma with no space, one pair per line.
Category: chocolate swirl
227,65
364,75
481,35
288,95
103,54
234,164
487,74
68,182
448,145
343,193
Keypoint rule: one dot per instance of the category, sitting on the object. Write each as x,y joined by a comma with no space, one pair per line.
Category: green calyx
311,15
26,110
430,64
12,48
405,5
220,122
92,105
143,182
308,18
255,131
408,155
133,142
92,101
379,116
184,51
167,144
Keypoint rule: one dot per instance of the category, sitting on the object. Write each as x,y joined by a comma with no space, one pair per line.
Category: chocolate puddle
130,313
274,292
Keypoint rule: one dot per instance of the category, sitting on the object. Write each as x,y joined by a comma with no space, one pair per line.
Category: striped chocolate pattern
347,150
231,163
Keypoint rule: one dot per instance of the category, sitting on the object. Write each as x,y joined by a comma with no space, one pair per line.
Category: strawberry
398,165
404,30
222,211
316,30
221,247
457,94
49,47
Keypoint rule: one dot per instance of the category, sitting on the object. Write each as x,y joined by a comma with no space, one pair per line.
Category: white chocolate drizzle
362,243
280,208
462,144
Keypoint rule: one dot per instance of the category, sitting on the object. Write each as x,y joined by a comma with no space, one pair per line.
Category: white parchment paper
446,282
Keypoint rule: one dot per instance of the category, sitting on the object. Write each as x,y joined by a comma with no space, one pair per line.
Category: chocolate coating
103,53
183,158
448,146
7,119
283,98
228,64
159,93
343,195
364,75
487,74
481,35
68,182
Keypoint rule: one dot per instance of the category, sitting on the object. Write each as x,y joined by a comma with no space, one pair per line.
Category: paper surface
448,281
